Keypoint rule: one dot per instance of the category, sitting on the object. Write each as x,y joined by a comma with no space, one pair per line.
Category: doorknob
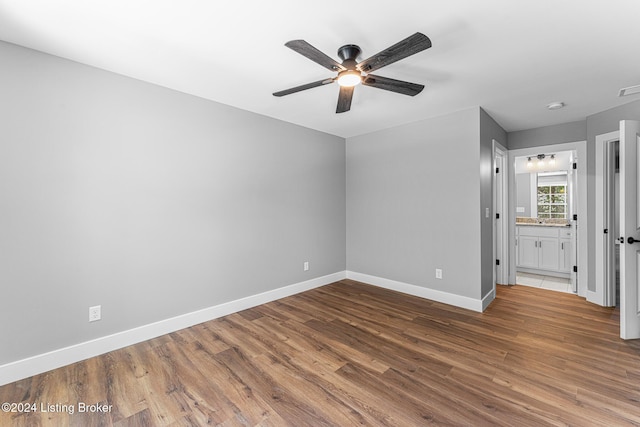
631,240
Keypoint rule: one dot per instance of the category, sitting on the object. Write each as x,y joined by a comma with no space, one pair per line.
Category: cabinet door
548,253
565,256
528,251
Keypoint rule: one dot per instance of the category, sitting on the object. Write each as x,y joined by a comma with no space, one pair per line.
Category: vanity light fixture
541,161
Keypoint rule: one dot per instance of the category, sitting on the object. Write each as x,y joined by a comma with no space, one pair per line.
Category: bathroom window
552,196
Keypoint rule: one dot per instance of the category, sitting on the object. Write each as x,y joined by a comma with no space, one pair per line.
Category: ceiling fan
352,73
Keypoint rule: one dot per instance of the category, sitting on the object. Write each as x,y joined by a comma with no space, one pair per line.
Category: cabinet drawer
539,231
566,232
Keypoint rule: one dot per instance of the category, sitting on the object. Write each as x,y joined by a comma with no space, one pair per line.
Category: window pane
543,190
556,215
558,198
557,208
544,198
543,209
558,189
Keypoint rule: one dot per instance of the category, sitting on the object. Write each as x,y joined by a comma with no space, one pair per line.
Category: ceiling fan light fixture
349,78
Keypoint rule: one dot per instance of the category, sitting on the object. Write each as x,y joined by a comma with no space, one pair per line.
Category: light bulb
349,78
552,161
529,163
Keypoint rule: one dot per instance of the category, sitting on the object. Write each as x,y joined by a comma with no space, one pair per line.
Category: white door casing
605,280
501,219
629,229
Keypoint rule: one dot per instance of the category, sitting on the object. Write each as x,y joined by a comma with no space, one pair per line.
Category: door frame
580,147
500,206
605,287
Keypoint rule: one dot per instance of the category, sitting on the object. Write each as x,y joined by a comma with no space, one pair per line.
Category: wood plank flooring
351,354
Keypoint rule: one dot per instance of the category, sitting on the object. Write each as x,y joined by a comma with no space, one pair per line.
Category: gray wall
556,134
413,203
149,202
489,131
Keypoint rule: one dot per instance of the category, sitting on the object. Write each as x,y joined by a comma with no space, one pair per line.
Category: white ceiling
510,57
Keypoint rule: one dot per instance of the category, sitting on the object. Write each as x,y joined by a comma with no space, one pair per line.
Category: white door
629,229
565,258
528,251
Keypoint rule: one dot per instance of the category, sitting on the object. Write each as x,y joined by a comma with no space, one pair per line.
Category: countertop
535,224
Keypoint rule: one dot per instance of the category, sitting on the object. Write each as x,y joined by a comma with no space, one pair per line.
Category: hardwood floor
351,354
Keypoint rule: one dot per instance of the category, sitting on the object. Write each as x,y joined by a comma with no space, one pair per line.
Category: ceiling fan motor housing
349,53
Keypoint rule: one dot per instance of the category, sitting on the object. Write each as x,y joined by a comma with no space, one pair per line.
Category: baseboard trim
419,291
28,367
488,299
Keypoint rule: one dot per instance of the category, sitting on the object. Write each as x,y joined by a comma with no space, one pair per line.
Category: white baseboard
419,291
594,297
25,368
488,299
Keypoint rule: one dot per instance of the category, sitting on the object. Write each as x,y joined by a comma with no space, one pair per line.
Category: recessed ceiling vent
631,90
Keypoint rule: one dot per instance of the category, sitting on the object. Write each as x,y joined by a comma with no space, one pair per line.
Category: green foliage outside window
552,201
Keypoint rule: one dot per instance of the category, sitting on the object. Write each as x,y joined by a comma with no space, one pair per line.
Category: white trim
501,234
419,291
28,367
488,299
592,297
602,212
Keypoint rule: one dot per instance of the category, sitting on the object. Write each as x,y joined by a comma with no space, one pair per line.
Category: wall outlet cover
95,313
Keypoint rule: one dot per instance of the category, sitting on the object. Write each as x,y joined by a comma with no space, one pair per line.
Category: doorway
618,218
546,220
550,245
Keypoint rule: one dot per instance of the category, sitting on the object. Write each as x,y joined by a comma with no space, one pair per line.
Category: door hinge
575,165
575,217
606,231
497,170
497,216
575,268
497,262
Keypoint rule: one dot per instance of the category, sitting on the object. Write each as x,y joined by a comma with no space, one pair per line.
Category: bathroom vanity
545,249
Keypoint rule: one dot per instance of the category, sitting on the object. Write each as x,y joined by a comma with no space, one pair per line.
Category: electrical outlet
95,313
305,266
438,273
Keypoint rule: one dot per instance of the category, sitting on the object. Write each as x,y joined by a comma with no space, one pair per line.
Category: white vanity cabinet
544,248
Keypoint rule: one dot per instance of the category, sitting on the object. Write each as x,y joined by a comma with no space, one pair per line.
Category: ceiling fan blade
407,47
303,87
305,49
398,86
344,99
